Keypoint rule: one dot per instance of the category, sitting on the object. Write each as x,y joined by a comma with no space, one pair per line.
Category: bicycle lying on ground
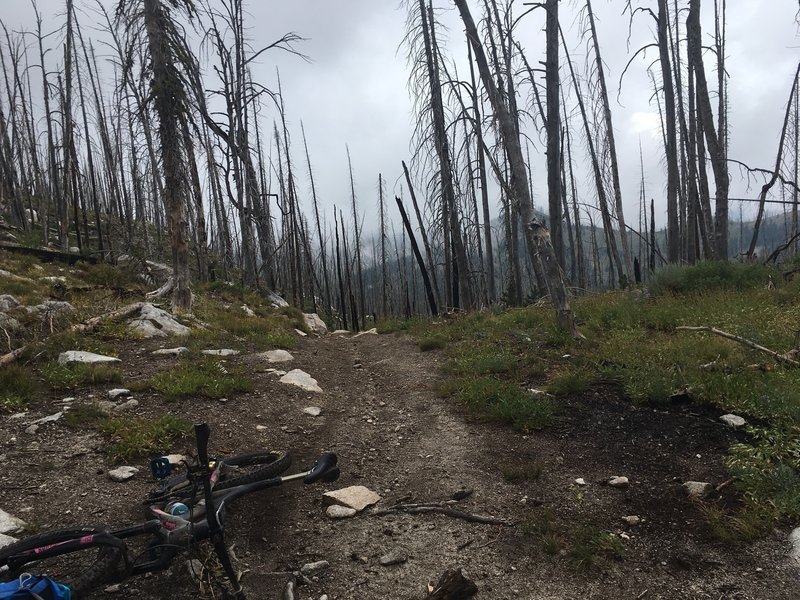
183,510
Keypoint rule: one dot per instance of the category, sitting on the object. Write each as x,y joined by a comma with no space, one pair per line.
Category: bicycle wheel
82,570
236,470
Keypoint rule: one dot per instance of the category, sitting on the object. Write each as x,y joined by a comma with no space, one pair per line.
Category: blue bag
34,587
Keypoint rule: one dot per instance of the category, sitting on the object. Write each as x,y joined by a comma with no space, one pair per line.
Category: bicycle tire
243,469
82,570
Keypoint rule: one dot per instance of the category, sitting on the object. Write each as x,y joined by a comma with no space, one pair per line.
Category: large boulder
51,308
7,302
315,324
302,380
276,300
155,322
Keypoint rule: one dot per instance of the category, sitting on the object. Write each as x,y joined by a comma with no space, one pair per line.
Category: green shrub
137,437
569,383
507,403
205,377
711,275
73,375
17,388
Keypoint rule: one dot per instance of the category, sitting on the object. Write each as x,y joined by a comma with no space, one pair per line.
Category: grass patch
704,276
593,548
569,383
71,376
136,437
17,388
206,377
521,473
506,402
432,342
81,416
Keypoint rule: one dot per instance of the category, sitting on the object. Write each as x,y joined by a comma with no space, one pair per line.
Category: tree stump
452,585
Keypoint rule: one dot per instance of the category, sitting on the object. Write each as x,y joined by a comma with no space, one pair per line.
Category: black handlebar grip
201,434
325,463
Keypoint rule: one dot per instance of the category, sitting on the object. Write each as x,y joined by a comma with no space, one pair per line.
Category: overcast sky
354,90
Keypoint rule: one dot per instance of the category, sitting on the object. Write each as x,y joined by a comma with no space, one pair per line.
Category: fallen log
750,344
443,510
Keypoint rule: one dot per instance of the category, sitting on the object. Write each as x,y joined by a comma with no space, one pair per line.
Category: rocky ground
554,538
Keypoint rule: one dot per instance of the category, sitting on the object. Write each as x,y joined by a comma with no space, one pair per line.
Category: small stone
125,406
6,540
261,427
341,332
387,560
300,333
733,421
107,407
248,311
357,497
323,597
314,568
314,411
49,418
632,520
580,481
118,393
175,459
170,351
794,540
10,523
31,429
618,482
277,356
697,489
113,589
340,512
222,400
221,352
121,474
71,356
302,380
462,494
68,400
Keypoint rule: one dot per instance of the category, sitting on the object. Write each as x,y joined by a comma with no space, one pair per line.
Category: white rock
122,473
221,352
107,407
372,331
118,393
356,497
300,333
49,418
539,393
277,372
336,511
261,427
126,406
78,356
276,356
341,332
68,400
54,280
632,520
794,540
248,311
698,489
314,411
7,302
315,324
170,351
618,482
175,459
276,300
302,380
6,540
734,421
74,250
10,523
580,481
51,307
113,589
314,568
155,322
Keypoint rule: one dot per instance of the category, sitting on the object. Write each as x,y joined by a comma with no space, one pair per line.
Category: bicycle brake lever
325,464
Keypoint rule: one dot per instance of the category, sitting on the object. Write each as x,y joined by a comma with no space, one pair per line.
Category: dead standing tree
536,234
151,21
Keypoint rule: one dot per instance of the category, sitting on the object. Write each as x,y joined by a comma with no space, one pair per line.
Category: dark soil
395,436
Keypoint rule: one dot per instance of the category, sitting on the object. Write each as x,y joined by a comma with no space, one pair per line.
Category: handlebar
323,469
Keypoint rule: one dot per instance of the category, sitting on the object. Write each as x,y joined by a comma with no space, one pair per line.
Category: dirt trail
393,435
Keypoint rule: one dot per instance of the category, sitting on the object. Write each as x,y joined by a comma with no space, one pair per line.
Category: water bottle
177,509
